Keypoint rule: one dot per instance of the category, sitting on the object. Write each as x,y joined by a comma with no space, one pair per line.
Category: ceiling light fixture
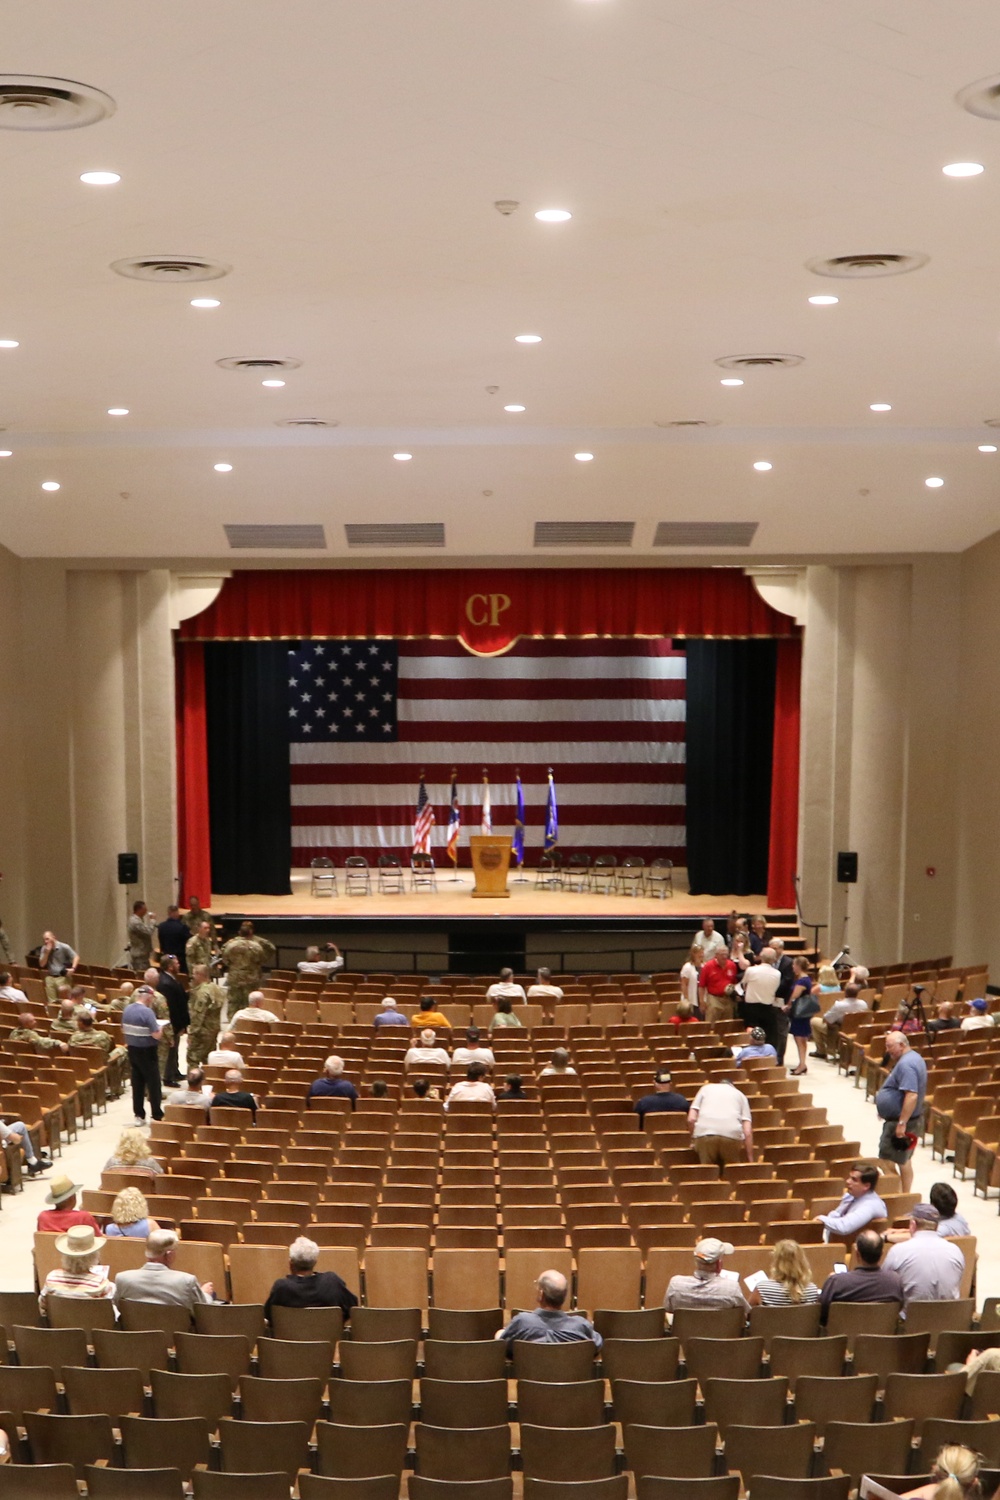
880,406
553,215
515,407
205,302
527,338
9,344
49,484
402,457
117,411
934,483
100,179
987,447
731,380
583,458
823,301
963,169
223,468
272,383
6,453
762,466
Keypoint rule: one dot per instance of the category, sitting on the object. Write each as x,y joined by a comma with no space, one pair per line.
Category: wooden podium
490,861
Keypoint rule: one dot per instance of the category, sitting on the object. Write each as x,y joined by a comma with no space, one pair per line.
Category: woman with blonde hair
132,1154
130,1216
789,1282
689,975
956,1476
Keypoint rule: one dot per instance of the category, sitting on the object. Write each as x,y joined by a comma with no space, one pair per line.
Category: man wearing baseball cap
930,1268
757,1046
63,1213
707,1287
663,1097
979,1018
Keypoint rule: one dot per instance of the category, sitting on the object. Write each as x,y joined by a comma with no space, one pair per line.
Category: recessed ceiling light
553,215
583,458
100,179
731,380
822,301
273,383
963,169
6,453
223,468
762,465
117,411
514,407
49,484
9,344
527,338
205,302
402,457
934,484
880,406
987,447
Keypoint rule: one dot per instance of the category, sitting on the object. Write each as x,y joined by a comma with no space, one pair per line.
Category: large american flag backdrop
366,718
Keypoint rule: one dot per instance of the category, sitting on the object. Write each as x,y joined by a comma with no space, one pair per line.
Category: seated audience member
191,1090
513,1088
979,1018
389,1015
707,1287
721,1123
132,1154
505,1015
472,1088
424,1089
10,991
473,1051
976,1362
956,1476
64,1213
789,1281
304,1286
870,1282
234,1095
505,988
64,1023
18,1134
425,1050
946,1018
930,1268
26,1031
255,1010
80,1274
543,988
89,1035
332,1084
558,1065
662,1098
757,1046
379,1089
226,1054
827,980
859,975
116,1003
157,1281
826,1028
859,1205
313,964
685,1014
950,1222
427,1014
130,1216
548,1323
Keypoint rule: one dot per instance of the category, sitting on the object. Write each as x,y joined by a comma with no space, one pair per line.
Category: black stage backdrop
730,735
246,691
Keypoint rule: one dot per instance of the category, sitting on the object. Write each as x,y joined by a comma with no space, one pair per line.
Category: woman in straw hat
79,1275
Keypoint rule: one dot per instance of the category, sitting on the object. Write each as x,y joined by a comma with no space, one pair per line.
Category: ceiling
344,159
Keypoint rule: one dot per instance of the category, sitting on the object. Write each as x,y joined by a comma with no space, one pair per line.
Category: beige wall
975,746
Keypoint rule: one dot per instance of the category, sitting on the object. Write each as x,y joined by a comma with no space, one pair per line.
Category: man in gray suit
157,1281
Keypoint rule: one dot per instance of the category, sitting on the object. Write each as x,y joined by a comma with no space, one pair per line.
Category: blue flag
551,817
519,821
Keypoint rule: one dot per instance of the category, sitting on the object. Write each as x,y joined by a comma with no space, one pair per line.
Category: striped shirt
138,1025
775,1294
91,1283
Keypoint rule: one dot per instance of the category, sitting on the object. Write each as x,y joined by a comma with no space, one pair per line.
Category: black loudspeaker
847,868
128,869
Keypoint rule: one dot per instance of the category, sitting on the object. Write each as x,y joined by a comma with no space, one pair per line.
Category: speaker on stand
128,875
847,875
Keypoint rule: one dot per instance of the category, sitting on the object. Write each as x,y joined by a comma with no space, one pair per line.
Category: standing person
142,1032
758,936
761,1004
149,993
245,956
721,1123
715,986
141,936
195,915
199,948
54,960
801,1007
205,1003
173,935
900,1105
709,941
690,970
169,985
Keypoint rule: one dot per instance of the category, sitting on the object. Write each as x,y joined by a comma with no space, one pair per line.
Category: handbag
805,1007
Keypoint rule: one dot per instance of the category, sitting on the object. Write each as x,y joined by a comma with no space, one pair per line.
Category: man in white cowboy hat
80,1275
157,1281
707,1287
64,1213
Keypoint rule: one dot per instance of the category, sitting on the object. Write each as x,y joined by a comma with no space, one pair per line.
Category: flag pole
519,829
454,829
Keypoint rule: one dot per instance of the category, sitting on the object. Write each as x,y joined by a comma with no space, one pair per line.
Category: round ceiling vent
170,268
760,361
991,422
306,422
249,362
690,422
982,98
855,267
29,103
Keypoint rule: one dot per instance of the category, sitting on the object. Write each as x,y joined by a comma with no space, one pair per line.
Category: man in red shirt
715,976
64,1213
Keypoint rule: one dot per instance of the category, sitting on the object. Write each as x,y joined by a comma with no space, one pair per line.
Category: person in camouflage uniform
142,936
89,1035
205,1002
25,1031
195,915
199,948
245,957
65,1022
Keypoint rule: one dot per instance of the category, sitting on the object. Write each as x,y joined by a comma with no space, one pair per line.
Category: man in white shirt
225,1054
10,991
473,1087
720,1123
472,1052
558,1066
930,1268
426,1050
709,941
254,1010
544,989
506,989
707,1287
826,1028
313,964
979,1018
761,1004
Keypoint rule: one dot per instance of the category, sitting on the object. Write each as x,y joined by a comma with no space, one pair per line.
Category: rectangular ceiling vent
705,533
309,538
584,533
395,534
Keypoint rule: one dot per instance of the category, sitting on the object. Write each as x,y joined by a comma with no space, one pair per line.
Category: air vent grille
170,268
308,538
982,98
306,422
30,103
760,361
395,534
705,533
584,533
876,263
257,362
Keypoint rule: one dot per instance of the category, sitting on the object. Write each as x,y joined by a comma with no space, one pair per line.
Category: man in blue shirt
859,1205
759,1046
547,1323
663,1098
142,1030
389,1015
900,1104
332,1084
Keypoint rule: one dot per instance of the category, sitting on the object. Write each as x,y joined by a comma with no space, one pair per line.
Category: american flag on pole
486,820
606,715
423,822
454,820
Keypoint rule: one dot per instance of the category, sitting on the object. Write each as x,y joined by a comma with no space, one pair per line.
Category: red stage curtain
488,608
194,852
785,775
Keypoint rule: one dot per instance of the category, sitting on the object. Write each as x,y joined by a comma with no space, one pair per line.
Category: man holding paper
858,1207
